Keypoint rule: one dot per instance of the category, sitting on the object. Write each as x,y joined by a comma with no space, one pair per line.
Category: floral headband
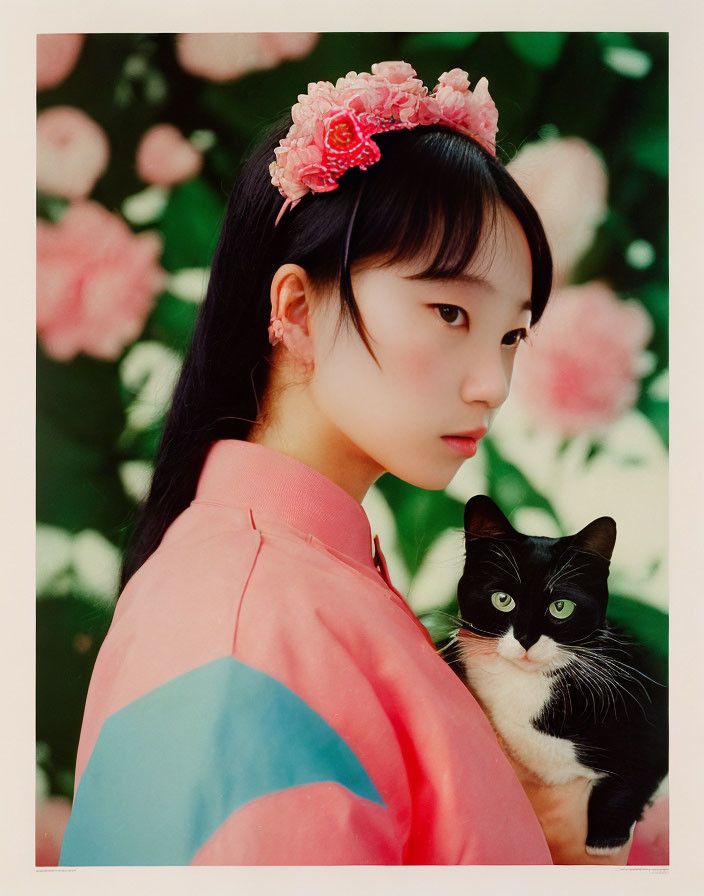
333,125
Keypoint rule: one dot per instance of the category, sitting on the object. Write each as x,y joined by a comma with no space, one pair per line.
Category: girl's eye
452,315
561,609
513,337
503,601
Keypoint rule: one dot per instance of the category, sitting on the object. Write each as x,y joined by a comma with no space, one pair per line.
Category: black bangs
432,198
427,198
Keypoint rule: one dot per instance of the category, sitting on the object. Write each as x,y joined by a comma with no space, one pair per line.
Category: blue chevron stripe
168,769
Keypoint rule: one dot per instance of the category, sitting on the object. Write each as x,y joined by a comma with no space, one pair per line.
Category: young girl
264,695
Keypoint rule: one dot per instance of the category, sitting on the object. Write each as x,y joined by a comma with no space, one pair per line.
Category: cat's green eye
503,601
561,609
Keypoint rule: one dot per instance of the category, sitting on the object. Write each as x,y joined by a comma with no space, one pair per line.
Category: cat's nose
527,641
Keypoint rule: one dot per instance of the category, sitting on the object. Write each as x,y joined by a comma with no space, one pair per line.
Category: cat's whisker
451,643
605,650
557,572
449,616
604,685
564,690
618,667
563,576
500,568
611,675
607,634
477,643
569,568
603,672
503,569
510,558
586,689
568,576
478,631
460,622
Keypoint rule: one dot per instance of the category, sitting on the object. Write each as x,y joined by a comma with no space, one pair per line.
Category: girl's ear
290,302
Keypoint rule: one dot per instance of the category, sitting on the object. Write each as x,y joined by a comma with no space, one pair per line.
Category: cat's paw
606,847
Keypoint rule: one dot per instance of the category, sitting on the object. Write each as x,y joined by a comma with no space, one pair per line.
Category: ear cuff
276,330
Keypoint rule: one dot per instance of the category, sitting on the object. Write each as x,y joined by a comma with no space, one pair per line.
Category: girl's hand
562,812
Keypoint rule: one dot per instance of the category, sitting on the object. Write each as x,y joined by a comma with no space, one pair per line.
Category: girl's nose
487,380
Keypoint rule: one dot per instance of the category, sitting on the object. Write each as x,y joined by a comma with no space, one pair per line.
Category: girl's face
445,349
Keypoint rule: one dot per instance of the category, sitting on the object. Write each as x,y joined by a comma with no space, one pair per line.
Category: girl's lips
475,434
465,443
461,444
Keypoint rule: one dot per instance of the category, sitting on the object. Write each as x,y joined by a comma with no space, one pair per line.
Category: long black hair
433,190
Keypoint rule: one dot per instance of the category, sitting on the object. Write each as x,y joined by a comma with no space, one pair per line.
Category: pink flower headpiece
333,125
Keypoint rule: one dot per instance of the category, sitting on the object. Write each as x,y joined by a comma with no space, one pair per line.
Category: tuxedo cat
566,692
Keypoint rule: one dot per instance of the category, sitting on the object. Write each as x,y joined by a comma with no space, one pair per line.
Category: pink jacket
265,696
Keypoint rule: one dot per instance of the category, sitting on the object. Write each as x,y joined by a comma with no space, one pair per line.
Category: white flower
149,369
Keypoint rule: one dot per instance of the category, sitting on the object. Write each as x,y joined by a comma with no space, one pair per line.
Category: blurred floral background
139,137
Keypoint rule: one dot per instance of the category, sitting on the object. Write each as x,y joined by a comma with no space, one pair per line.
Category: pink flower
72,152
51,818
567,182
582,365
401,74
57,54
471,112
96,282
296,158
339,121
455,79
374,94
396,72
165,157
222,57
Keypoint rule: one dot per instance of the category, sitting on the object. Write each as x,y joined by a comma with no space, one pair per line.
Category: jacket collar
246,474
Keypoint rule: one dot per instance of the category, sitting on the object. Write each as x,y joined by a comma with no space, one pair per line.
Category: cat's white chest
512,697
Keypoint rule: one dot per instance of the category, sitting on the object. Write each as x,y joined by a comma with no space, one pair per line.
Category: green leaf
51,208
614,39
509,486
649,149
594,450
658,412
81,397
655,297
78,486
445,40
141,444
421,516
191,225
648,625
541,49
441,622
79,419
172,322
69,633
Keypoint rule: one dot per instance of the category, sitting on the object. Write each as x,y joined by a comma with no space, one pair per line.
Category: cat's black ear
484,519
599,536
